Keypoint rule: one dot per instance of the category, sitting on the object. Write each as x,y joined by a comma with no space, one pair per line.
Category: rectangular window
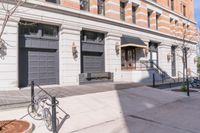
122,11
128,58
101,7
172,5
28,28
149,19
184,25
49,31
134,8
184,10
53,1
38,30
89,36
157,20
85,5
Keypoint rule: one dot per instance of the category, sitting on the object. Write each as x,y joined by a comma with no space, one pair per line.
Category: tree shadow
3,51
132,101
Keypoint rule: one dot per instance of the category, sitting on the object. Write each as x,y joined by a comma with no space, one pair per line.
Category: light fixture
74,50
117,48
168,57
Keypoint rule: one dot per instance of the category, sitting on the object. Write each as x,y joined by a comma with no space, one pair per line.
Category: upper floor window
84,5
134,8
176,23
101,7
53,1
172,5
184,10
149,18
122,11
157,19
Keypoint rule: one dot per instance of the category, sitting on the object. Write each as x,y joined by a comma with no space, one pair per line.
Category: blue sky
197,11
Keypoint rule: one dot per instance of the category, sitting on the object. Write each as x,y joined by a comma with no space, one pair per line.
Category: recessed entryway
38,54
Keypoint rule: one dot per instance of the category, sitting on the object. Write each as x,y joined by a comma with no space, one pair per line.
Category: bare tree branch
8,13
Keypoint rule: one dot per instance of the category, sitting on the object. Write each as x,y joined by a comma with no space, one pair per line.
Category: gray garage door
38,56
92,48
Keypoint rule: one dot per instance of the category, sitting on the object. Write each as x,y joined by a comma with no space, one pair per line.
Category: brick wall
112,10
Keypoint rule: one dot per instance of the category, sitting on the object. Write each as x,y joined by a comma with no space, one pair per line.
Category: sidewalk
135,110
21,98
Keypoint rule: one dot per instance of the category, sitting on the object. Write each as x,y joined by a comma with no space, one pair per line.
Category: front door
128,58
153,50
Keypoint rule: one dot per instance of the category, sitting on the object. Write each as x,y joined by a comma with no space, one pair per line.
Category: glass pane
154,55
28,28
48,30
123,58
130,58
101,7
53,1
84,5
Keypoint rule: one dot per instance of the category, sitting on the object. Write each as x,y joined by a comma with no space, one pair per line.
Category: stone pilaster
9,55
112,59
69,65
163,51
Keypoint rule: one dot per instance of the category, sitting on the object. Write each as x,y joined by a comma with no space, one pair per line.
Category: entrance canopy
127,41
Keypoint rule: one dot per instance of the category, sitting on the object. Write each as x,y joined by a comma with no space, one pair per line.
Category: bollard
32,96
54,126
153,80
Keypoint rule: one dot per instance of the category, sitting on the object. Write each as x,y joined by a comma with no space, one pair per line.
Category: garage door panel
93,62
42,67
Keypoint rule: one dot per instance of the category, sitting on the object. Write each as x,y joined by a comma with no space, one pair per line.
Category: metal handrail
163,73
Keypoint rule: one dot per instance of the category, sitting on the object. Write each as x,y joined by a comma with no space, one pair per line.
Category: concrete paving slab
134,110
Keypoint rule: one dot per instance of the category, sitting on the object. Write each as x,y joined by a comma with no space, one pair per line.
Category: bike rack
54,103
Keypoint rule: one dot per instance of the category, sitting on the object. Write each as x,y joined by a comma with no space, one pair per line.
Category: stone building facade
70,42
